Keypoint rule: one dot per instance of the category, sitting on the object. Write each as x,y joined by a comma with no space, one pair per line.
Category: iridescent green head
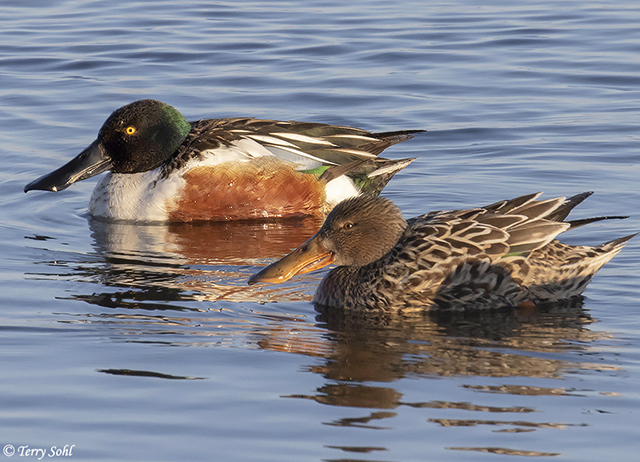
142,135
136,138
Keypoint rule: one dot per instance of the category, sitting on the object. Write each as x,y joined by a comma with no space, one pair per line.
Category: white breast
135,196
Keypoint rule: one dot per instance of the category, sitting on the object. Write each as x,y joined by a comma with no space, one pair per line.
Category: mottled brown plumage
500,255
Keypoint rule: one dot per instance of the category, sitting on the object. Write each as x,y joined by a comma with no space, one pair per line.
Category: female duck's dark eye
348,225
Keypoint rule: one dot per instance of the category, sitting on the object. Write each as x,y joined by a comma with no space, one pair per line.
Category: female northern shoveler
163,168
504,254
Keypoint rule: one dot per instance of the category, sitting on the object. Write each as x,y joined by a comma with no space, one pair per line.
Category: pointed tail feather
618,243
370,175
563,211
386,139
606,252
401,134
586,221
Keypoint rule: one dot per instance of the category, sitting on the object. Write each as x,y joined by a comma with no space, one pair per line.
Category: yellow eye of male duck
130,130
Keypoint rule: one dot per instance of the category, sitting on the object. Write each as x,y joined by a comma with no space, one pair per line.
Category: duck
162,168
501,255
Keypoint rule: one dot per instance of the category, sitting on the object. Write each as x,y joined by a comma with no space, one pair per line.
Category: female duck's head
358,231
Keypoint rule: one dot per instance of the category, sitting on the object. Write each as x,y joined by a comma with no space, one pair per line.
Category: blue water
144,342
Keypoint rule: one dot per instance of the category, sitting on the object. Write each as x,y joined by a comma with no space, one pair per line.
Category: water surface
137,342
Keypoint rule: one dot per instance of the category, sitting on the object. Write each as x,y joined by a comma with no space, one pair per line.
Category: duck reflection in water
188,261
365,357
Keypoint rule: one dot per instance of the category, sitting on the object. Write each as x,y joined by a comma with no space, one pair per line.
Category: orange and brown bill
308,257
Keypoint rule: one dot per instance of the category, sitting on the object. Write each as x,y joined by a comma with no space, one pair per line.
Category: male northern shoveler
163,168
504,254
